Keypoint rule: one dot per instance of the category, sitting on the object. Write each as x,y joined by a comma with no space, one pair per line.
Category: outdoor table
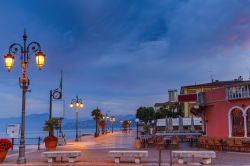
167,139
190,140
144,139
223,142
246,142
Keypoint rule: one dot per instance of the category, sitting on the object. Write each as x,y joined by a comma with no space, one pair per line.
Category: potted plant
51,140
5,145
125,125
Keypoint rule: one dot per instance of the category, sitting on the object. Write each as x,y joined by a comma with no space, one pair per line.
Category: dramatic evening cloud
121,54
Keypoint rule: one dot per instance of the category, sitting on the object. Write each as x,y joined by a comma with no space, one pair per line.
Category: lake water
31,137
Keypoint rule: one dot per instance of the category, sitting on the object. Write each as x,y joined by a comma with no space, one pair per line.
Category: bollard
170,152
39,139
159,159
13,142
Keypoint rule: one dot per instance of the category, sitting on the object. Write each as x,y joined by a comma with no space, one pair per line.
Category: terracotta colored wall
217,110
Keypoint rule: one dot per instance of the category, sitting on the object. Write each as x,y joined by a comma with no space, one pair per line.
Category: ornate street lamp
137,121
106,118
77,103
112,119
25,51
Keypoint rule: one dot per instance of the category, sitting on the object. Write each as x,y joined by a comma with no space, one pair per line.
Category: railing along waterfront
37,140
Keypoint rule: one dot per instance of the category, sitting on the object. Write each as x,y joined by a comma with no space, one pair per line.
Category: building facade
171,104
226,111
188,94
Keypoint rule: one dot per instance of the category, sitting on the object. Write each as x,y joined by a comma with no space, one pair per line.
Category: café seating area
148,141
219,144
225,144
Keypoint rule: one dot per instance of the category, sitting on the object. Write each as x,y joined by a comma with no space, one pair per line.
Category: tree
173,111
97,116
162,113
103,124
145,114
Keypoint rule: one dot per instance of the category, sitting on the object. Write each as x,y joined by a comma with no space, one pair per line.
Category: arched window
237,123
248,122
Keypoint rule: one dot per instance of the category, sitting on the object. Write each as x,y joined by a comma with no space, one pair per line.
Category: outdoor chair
184,138
201,142
167,140
230,144
217,144
224,143
143,140
239,144
150,141
175,142
246,142
210,142
160,142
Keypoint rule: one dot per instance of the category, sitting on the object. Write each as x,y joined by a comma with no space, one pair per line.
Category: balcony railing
238,92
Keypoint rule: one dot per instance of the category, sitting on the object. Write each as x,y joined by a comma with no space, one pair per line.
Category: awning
187,97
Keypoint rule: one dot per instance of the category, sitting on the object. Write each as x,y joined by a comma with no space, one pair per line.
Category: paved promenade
95,150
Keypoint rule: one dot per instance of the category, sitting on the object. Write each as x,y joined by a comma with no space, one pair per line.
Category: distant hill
90,124
35,122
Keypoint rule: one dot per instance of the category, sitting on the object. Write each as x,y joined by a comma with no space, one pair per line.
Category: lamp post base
21,160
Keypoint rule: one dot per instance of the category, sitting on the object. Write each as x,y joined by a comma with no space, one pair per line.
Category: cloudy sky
122,54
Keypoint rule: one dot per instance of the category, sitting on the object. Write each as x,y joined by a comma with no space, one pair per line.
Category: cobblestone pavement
95,150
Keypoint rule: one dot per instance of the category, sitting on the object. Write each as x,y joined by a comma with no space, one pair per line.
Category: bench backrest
128,153
204,154
62,153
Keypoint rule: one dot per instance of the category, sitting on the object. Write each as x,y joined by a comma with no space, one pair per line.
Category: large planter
137,144
3,155
51,144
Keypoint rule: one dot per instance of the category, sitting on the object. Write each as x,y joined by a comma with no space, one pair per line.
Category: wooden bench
205,155
52,155
137,154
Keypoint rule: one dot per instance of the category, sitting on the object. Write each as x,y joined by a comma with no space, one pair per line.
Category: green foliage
5,145
163,113
51,124
146,128
160,128
103,123
145,113
96,114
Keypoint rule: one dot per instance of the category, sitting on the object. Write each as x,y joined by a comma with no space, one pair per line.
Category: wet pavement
95,152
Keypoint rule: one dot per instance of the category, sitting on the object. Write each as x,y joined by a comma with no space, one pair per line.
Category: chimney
172,95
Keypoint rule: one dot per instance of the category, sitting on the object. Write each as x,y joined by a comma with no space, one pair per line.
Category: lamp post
129,125
77,103
25,51
137,121
112,119
121,122
106,119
